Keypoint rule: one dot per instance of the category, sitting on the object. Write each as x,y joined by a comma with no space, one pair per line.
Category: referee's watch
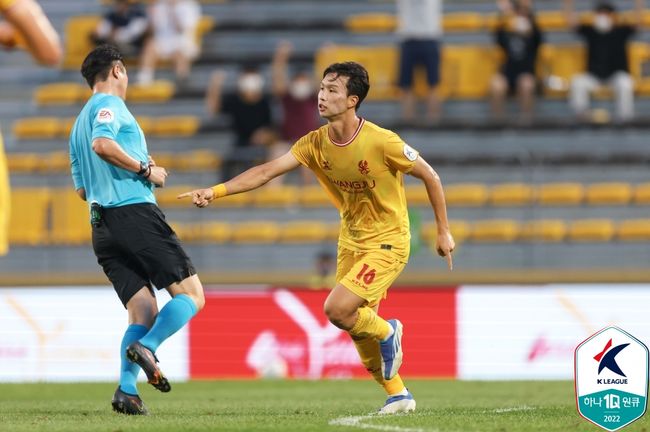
144,166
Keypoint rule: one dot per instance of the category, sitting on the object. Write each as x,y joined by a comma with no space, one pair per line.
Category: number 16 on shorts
611,377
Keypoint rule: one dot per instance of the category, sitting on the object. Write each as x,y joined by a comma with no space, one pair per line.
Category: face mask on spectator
602,22
521,25
301,89
250,83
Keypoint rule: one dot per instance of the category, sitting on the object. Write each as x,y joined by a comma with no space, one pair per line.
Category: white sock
391,331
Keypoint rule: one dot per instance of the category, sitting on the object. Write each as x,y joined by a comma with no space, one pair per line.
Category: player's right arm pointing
248,180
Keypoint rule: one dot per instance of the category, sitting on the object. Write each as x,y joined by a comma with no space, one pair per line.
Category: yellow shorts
369,274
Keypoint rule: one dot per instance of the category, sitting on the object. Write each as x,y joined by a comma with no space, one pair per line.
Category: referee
135,246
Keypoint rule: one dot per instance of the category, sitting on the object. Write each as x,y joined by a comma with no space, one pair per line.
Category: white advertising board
72,334
531,332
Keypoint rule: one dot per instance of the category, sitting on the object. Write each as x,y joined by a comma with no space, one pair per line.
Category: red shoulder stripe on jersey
351,139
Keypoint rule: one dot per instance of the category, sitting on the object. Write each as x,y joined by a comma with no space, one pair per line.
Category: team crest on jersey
410,153
363,167
326,165
105,116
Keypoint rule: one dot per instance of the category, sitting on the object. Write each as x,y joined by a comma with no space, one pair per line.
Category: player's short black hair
358,81
605,6
99,62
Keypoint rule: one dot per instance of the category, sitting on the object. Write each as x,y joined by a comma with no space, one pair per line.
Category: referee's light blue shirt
106,116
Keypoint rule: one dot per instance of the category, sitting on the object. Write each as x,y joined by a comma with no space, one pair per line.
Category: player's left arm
445,242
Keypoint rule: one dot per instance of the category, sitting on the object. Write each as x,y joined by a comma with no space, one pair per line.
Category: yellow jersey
5,4
364,178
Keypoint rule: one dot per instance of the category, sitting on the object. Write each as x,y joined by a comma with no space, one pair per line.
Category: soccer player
133,243
25,25
361,166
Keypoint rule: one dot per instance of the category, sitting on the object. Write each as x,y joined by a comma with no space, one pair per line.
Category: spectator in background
297,97
124,26
26,26
174,25
249,110
420,28
324,276
607,61
519,36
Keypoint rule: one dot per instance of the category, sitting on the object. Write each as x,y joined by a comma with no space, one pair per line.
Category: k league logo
611,378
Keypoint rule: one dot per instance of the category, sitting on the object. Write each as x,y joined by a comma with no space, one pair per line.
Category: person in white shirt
420,29
174,24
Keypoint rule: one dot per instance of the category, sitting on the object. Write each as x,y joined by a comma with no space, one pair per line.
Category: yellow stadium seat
23,162
416,195
560,194
237,200
642,194
333,230
146,124
381,61
498,230
70,218
168,196
63,93
28,219
174,126
275,196
608,193
371,23
197,160
552,20
511,194
255,232
314,196
65,127
633,230
460,230
168,160
591,230
470,69
77,41
156,92
37,128
463,22
545,230
303,232
466,194
55,162
215,232
557,64
186,232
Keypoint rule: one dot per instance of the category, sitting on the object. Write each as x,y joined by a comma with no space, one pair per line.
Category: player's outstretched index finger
450,261
185,195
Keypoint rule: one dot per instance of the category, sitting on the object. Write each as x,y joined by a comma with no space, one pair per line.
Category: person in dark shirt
297,98
125,25
249,110
607,62
519,37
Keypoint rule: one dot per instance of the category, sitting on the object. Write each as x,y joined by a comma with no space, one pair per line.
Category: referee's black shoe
129,404
140,354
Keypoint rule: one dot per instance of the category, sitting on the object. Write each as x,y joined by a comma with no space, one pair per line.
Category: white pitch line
358,422
512,409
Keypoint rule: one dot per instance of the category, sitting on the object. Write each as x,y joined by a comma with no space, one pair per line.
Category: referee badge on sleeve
105,115
410,153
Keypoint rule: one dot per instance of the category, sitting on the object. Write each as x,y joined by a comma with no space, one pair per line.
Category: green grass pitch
443,406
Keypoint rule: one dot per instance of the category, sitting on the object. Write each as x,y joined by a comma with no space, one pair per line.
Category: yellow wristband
219,191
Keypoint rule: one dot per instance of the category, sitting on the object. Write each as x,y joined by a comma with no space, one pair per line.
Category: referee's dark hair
99,62
358,81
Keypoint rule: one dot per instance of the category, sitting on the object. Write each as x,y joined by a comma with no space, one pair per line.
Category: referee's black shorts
136,247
